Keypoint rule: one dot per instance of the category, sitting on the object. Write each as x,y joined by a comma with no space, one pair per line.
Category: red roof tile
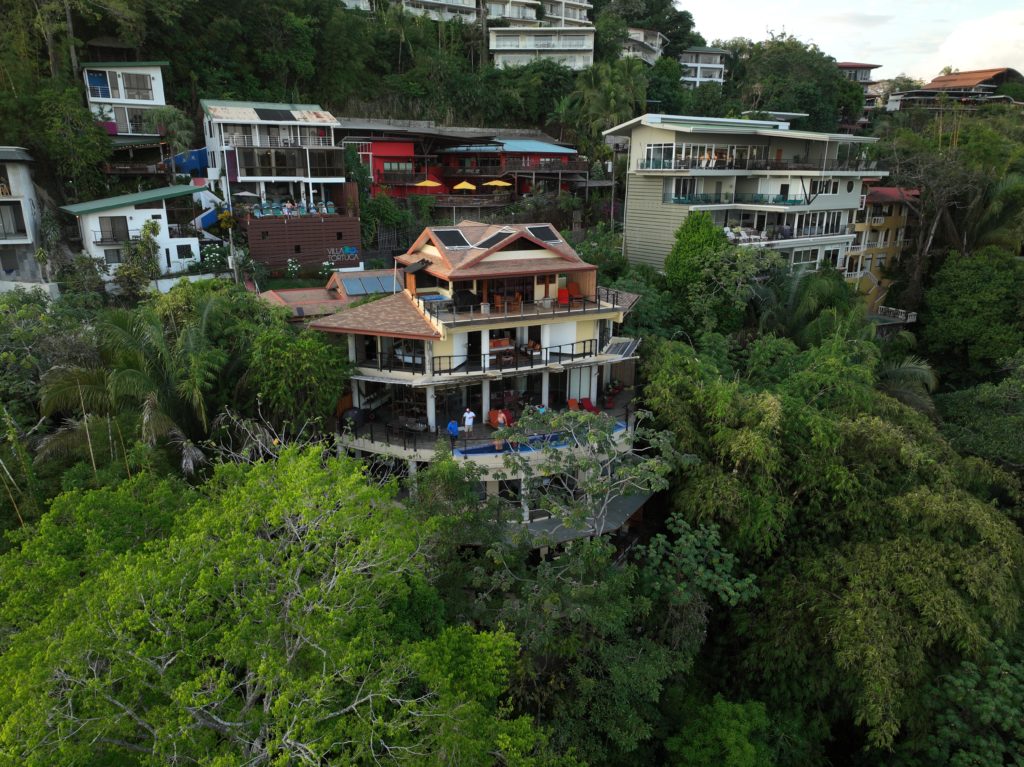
891,194
969,79
395,316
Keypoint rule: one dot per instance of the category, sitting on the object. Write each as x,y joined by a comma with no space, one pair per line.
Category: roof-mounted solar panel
544,233
353,286
452,238
493,240
372,285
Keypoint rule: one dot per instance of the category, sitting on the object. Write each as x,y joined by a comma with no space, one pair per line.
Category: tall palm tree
910,380
162,377
175,127
801,304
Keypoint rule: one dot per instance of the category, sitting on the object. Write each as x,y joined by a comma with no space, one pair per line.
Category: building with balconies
19,220
277,152
883,229
572,46
967,90
644,44
861,74
495,318
109,225
702,64
119,93
767,186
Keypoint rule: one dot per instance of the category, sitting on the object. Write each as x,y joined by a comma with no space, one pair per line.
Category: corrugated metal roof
14,154
969,79
125,64
247,110
124,200
515,145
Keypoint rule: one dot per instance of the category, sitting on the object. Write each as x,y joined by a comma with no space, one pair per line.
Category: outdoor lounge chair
330,208
574,405
588,405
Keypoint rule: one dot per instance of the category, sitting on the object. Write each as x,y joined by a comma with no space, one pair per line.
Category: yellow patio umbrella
497,182
464,185
428,183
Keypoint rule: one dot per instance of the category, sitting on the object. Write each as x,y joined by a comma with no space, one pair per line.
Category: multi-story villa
644,44
967,90
571,45
490,317
108,225
882,231
280,152
120,92
19,220
702,64
767,186
861,74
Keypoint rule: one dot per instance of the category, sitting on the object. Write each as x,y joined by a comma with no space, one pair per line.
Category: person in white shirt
468,418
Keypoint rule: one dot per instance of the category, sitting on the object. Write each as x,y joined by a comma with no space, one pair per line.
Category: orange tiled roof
305,302
396,316
457,263
970,79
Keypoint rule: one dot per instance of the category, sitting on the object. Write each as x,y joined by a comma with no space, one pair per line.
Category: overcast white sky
916,37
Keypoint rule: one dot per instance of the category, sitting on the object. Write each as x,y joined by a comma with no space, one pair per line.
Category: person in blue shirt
453,431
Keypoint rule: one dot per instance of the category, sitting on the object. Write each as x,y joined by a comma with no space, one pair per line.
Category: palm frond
74,389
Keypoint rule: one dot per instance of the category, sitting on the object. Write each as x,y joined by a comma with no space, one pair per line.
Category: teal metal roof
525,146
102,64
125,200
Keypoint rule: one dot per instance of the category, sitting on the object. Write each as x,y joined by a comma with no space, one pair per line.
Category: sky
913,37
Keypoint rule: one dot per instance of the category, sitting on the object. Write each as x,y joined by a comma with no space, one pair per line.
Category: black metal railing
448,313
100,237
705,163
513,358
396,362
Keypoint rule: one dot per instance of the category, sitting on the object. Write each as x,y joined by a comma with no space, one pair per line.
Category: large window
12,223
824,186
138,86
805,257
658,156
679,190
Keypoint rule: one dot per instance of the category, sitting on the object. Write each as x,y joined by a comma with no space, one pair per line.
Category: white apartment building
277,152
119,92
703,65
108,225
19,220
644,44
517,46
796,192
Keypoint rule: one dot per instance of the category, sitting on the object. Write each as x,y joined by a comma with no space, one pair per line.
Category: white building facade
107,226
703,65
19,220
120,93
277,152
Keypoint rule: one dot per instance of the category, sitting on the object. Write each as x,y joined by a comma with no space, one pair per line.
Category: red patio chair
588,405
574,405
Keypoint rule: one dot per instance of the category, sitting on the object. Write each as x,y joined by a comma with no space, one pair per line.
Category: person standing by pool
468,419
453,431
502,423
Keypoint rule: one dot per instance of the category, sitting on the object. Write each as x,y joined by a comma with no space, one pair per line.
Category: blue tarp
194,159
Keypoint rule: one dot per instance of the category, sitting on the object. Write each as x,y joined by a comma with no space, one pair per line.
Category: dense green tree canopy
302,629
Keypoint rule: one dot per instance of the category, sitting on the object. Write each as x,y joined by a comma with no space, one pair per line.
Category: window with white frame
658,156
805,257
137,86
679,189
